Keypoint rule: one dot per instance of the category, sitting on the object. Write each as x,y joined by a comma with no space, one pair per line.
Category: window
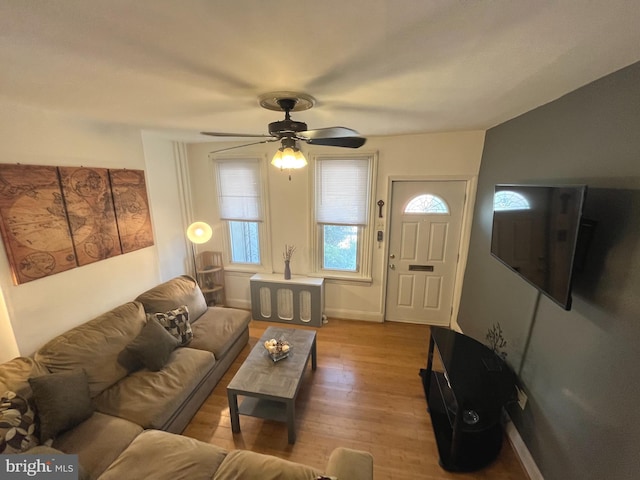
507,200
240,204
343,188
244,241
427,203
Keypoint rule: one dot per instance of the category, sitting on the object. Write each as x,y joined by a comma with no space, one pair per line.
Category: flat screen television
535,234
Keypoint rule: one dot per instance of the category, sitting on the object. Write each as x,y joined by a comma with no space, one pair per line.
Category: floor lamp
197,233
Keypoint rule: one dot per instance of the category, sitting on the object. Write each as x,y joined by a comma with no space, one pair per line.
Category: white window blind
239,190
342,190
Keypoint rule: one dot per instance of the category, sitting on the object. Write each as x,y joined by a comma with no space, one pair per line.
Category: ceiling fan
287,131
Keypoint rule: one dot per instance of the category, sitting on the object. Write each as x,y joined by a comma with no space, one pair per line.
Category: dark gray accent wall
579,368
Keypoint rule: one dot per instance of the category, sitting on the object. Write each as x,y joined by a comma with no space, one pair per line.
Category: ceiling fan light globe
276,161
289,159
301,162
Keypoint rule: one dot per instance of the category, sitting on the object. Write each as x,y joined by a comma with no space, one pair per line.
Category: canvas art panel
91,214
34,222
132,209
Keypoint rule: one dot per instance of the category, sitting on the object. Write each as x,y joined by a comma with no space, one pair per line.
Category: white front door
424,239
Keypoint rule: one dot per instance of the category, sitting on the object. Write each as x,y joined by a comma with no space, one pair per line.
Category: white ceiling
378,66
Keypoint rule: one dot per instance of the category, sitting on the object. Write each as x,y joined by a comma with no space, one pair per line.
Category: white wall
170,206
426,156
37,311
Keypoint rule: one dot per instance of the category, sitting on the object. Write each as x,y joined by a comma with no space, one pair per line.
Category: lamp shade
199,232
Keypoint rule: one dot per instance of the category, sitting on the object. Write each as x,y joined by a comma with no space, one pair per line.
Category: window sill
248,269
342,279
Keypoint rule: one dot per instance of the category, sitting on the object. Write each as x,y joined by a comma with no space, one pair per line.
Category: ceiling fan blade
330,132
248,135
349,142
333,137
244,145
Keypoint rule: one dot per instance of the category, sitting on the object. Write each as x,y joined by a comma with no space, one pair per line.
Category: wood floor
365,394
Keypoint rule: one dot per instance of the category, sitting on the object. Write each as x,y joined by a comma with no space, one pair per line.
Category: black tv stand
465,399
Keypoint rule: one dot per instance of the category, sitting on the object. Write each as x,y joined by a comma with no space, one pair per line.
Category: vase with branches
286,256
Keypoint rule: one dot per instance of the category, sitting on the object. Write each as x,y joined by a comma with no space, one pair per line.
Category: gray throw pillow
153,346
62,401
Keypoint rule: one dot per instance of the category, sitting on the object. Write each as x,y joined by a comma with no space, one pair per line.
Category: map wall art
53,219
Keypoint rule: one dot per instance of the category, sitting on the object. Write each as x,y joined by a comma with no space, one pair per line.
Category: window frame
264,233
366,232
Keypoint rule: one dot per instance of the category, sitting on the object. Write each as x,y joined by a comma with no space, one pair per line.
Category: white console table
299,300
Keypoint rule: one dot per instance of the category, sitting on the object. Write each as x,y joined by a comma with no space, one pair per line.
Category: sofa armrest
346,463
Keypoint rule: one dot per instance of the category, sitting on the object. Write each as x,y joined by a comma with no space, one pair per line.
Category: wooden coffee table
270,388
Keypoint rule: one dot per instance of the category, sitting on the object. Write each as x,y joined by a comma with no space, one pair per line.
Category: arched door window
427,203
507,200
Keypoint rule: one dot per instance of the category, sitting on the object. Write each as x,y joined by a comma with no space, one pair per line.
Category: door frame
471,186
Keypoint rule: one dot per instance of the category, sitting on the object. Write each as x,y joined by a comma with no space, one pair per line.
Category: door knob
392,266
392,256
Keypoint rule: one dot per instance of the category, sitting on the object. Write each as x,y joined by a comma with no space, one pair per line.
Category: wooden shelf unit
210,272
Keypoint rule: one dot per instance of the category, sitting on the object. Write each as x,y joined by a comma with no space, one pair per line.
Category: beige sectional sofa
115,389
152,451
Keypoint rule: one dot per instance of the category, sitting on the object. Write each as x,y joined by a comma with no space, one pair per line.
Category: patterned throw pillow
17,424
176,322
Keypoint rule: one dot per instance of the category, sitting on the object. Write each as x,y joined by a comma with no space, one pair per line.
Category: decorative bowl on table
277,349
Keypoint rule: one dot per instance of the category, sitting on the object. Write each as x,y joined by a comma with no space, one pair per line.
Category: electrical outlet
522,398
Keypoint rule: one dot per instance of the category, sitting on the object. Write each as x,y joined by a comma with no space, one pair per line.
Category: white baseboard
354,315
522,451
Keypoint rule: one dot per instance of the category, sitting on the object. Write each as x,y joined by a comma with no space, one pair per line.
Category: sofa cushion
349,463
178,291
151,398
17,424
176,322
165,456
14,375
98,441
62,400
244,464
153,346
46,450
218,328
95,346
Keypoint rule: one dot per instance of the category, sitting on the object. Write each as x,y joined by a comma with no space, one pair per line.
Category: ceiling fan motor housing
286,126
